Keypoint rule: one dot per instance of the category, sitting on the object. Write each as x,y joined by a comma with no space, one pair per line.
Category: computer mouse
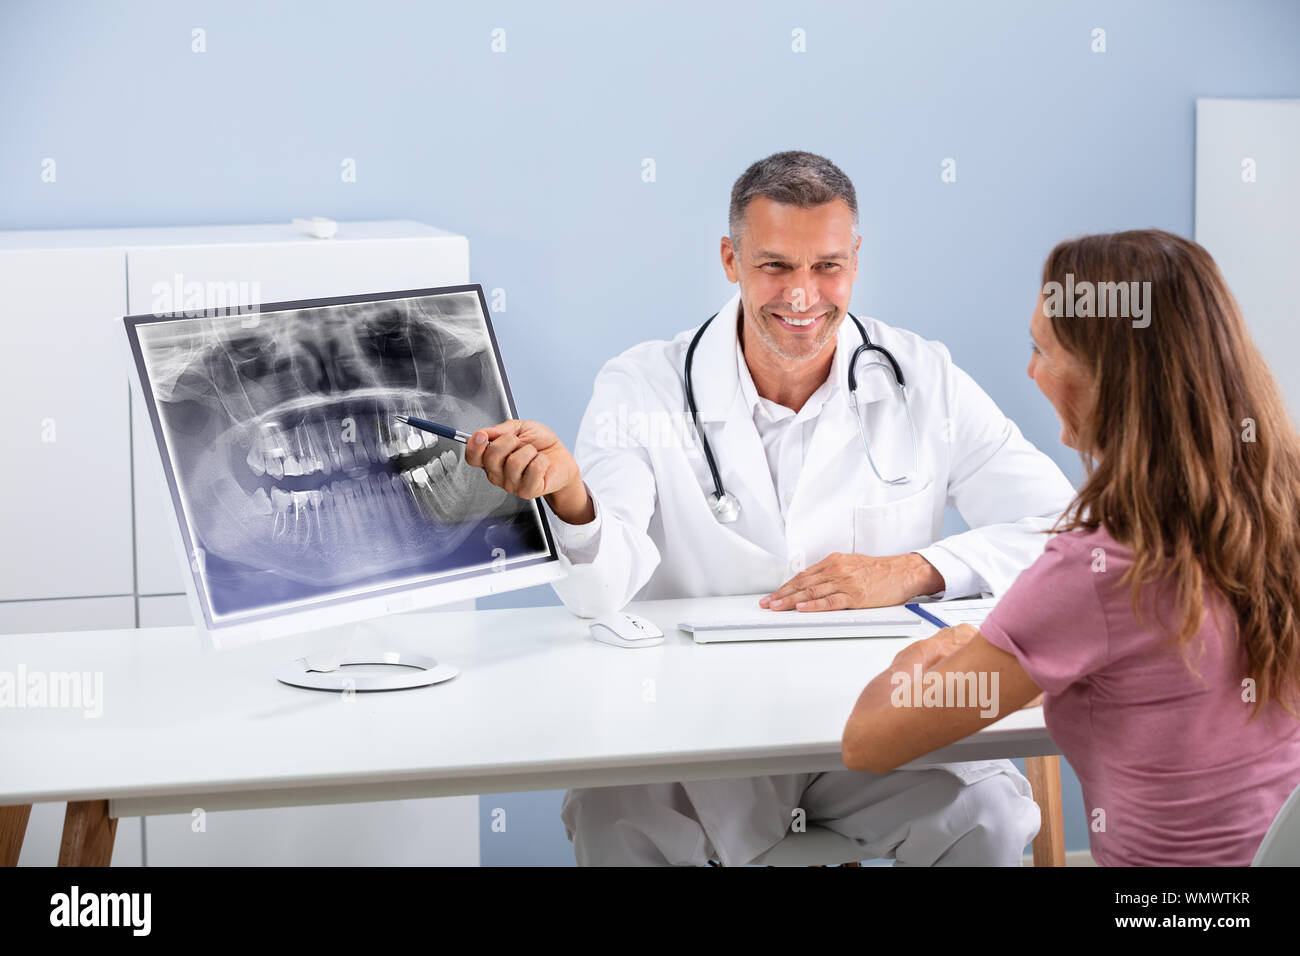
622,629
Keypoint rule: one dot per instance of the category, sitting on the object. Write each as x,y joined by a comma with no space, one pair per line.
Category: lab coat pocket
900,526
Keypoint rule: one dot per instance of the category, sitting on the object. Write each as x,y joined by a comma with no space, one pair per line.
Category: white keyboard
746,622
739,618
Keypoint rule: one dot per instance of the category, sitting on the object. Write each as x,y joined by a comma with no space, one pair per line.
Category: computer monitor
299,502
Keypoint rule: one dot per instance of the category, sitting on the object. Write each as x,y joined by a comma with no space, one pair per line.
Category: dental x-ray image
294,484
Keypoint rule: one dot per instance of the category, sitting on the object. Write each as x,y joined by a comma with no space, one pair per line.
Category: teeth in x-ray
301,525
347,508
298,516
306,454
314,499
393,440
312,443
281,501
300,502
270,447
366,491
269,450
256,460
299,453
364,450
309,450
262,501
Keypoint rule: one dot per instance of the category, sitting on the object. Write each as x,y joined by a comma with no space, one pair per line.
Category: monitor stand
361,645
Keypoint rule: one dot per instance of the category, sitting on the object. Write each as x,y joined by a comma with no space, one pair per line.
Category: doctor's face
796,269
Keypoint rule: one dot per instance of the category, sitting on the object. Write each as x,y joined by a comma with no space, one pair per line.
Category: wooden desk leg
1044,775
13,827
88,834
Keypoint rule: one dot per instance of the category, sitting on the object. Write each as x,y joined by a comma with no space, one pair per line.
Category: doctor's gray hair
793,178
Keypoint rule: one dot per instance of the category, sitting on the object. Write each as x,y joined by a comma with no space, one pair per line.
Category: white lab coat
654,535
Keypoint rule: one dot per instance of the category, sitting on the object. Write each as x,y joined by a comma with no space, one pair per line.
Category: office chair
1281,844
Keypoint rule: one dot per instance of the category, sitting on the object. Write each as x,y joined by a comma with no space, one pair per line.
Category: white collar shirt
784,432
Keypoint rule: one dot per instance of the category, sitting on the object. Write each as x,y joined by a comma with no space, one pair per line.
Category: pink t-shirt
1181,777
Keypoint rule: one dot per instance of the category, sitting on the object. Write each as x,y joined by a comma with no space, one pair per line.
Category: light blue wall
536,155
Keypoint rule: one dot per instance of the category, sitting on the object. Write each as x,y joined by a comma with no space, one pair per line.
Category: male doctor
817,528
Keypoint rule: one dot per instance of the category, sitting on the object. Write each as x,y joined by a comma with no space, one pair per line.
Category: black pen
444,431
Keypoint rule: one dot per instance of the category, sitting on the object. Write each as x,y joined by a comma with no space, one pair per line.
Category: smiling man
825,503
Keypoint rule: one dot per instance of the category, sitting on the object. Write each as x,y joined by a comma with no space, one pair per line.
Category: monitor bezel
255,625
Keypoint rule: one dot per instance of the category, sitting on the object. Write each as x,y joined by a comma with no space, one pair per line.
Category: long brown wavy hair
1192,460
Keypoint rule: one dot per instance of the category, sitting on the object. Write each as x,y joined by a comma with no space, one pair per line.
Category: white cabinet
280,271
167,610
65,501
156,562
77,614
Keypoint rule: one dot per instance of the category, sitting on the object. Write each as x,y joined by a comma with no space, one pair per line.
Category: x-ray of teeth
295,481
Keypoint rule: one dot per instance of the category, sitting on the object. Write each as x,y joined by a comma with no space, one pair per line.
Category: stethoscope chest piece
725,507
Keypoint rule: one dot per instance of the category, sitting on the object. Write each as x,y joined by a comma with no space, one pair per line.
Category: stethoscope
725,505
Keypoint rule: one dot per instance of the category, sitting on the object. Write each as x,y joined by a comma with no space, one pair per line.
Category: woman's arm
895,719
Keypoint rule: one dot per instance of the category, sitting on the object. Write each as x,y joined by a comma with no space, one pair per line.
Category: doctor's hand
843,581
526,459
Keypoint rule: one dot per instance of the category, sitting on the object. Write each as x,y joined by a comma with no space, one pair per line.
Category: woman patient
1162,625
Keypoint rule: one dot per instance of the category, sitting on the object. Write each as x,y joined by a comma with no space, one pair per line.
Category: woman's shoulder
1097,542
1070,564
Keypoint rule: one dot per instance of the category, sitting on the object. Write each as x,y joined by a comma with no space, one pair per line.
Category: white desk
538,705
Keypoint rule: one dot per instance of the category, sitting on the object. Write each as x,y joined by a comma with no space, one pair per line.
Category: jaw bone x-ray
295,481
